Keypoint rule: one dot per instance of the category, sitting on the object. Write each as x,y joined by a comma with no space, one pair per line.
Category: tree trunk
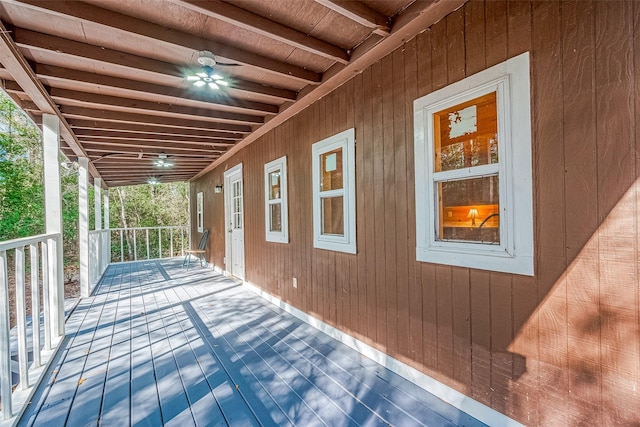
123,220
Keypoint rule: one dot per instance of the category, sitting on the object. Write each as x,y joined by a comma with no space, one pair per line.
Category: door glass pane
333,216
274,185
275,217
469,210
466,134
331,170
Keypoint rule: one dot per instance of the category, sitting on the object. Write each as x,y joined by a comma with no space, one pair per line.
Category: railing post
83,223
159,242
23,367
35,305
5,349
53,215
121,245
46,299
135,245
147,240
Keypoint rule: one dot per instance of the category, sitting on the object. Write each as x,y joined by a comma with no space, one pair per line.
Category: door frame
228,176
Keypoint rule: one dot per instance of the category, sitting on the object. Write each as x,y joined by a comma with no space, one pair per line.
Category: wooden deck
156,345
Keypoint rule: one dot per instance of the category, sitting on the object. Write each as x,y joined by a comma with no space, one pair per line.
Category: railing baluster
147,240
135,247
46,300
121,245
182,241
35,305
160,243
170,241
5,348
21,321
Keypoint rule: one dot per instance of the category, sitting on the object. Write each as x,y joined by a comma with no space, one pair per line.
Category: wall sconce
217,189
473,214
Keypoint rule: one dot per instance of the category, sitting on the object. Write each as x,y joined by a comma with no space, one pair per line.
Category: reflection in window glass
331,167
469,210
275,217
274,185
466,134
333,216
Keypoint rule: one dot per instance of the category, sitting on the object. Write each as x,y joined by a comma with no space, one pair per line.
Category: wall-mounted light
473,214
217,189
153,181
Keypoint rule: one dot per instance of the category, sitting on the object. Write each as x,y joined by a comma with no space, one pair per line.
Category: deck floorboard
157,345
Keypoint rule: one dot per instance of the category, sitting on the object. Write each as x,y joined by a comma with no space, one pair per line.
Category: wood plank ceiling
116,72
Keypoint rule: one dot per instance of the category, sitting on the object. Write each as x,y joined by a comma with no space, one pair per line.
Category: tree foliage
22,190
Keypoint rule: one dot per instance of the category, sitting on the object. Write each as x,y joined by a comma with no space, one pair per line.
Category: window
200,216
473,171
276,212
334,193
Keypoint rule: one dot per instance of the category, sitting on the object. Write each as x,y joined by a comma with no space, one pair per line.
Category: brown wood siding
559,348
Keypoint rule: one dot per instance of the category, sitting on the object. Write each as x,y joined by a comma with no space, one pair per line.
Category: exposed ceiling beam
13,60
93,15
167,139
153,134
147,151
252,22
66,97
164,93
360,13
44,42
162,146
82,125
149,119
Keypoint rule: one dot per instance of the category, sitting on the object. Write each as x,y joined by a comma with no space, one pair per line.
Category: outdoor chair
199,253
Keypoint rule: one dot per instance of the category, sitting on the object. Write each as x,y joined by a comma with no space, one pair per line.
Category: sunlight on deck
157,345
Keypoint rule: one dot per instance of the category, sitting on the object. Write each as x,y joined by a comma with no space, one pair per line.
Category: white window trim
346,141
200,212
515,253
276,236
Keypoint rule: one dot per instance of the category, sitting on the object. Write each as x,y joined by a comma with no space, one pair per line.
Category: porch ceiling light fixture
162,161
207,77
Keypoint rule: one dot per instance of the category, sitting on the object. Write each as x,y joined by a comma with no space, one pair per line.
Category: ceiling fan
207,77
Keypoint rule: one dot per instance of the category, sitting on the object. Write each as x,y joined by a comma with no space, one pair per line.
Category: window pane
469,210
275,217
466,134
274,185
333,216
331,169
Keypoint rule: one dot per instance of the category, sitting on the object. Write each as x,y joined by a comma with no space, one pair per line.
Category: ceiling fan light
199,83
193,78
222,82
212,85
202,75
217,77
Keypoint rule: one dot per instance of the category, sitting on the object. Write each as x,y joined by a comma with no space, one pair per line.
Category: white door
234,214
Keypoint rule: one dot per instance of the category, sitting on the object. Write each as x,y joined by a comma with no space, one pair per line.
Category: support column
83,224
97,186
105,202
53,217
106,244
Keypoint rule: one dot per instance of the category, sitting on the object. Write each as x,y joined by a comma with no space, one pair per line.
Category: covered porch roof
116,73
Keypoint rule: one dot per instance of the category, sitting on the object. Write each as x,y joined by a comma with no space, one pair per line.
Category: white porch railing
47,309
131,244
99,255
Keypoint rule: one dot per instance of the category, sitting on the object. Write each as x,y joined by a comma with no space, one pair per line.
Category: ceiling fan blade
222,82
